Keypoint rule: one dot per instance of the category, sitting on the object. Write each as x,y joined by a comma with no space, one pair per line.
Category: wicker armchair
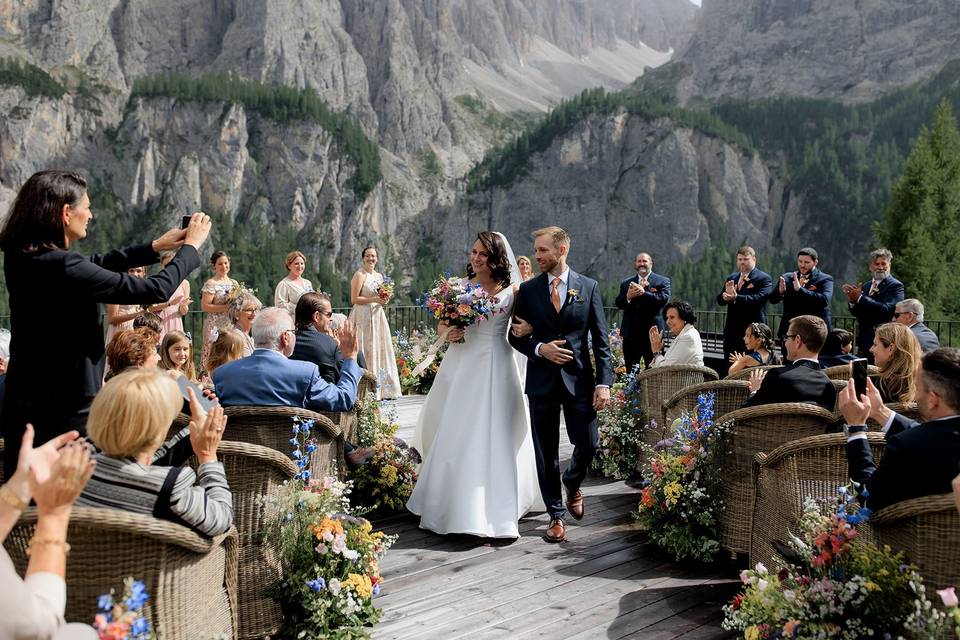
192,580
347,420
755,430
744,374
270,427
927,530
659,384
730,395
811,467
842,371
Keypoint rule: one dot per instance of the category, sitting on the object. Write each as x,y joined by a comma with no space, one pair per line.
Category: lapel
573,282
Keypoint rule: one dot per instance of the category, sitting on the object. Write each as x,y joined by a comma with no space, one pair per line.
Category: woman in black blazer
54,373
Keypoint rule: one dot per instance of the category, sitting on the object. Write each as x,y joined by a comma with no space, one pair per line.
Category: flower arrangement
123,619
385,289
621,439
617,362
409,350
949,598
680,503
833,585
386,481
458,303
330,558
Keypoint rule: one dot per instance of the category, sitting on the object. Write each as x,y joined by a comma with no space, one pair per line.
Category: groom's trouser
581,422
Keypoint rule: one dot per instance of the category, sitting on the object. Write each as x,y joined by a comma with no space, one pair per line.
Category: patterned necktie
873,288
555,294
743,280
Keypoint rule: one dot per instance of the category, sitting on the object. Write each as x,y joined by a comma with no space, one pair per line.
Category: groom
563,308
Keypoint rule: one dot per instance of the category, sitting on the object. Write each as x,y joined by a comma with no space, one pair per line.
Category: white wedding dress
479,475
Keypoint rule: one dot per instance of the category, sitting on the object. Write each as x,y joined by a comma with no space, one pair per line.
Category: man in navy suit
745,295
565,312
267,378
919,459
642,298
909,313
875,301
804,292
314,342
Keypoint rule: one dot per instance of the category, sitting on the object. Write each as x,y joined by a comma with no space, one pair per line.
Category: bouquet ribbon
431,355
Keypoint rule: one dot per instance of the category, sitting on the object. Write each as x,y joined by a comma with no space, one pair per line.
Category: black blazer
749,306
579,322
871,311
812,299
926,337
322,350
644,311
918,461
802,381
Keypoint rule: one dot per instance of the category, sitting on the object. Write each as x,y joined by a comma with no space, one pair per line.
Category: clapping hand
796,281
38,462
782,286
56,491
735,356
206,430
346,336
634,290
756,379
729,291
656,339
852,291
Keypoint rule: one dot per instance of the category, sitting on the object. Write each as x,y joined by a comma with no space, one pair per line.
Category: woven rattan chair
813,467
255,473
192,580
270,427
744,374
347,420
729,395
842,371
755,430
927,530
659,384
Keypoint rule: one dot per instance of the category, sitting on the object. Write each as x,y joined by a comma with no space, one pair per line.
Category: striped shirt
200,500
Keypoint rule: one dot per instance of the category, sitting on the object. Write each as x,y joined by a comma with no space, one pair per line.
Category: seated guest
176,354
315,339
132,349
760,349
837,348
267,378
802,380
243,311
897,354
151,321
128,421
226,347
909,313
918,459
686,347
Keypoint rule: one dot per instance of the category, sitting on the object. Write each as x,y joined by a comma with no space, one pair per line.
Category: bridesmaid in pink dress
173,310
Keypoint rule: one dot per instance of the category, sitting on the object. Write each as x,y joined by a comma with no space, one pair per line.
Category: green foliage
428,267
34,80
430,164
281,104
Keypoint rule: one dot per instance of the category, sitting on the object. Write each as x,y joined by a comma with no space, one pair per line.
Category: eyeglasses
897,314
791,336
329,314
293,331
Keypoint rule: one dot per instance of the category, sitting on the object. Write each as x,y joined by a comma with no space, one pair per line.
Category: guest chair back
271,427
729,395
656,386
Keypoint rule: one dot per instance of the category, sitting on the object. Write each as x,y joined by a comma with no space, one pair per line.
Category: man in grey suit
909,313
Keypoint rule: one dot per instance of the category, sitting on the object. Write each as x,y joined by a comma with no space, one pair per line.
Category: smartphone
858,371
185,384
185,220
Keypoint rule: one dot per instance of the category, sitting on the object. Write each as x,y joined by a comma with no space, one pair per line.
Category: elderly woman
128,421
132,349
289,290
686,347
243,311
896,352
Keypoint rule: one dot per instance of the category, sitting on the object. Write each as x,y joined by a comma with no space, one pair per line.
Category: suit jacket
918,461
644,311
926,337
580,321
802,381
269,379
811,299
749,306
686,348
871,311
321,350
832,361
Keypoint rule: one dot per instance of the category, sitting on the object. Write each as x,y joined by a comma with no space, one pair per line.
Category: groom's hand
601,396
556,354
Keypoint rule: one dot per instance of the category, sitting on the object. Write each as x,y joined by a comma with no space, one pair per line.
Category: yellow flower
751,633
672,491
359,583
871,585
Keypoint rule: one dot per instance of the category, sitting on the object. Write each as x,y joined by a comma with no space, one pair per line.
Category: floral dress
214,323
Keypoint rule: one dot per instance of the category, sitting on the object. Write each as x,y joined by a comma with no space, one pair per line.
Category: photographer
55,373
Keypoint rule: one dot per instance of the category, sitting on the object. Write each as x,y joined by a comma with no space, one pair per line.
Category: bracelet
12,499
48,541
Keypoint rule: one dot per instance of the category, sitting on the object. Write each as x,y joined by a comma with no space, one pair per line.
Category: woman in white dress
479,475
373,330
289,290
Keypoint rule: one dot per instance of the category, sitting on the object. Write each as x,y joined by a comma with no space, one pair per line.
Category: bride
479,475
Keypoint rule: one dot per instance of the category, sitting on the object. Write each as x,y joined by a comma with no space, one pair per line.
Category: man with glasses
315,341
909,313
801,381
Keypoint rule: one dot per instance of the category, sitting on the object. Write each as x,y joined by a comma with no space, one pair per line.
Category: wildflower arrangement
949,598
386,481
834,585
617,362
385,289
459,303
123,619
621,439
329,557
409,350
680,503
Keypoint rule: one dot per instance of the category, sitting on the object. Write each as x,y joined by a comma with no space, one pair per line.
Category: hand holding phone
858,371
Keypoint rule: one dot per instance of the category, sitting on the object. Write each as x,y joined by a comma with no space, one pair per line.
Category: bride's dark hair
497,258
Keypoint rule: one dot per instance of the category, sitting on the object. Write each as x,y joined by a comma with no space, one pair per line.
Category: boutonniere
574,295
749,285
652,289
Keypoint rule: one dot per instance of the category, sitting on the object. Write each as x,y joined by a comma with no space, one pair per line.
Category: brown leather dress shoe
575,504
557,532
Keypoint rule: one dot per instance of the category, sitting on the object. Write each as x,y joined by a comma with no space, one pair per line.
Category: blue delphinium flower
140,628
105,602
297,454
317,585
306,475
376,590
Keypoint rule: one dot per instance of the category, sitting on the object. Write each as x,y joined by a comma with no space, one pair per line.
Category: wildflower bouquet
386,481
834,585
385,289
123,619
620,453
617,361
680,504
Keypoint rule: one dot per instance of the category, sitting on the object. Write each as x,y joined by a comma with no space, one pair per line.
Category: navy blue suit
639,314
873,310
802,381
812,299
748,307
551,387
321,350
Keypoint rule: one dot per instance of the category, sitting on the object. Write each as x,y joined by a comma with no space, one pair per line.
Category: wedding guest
760,349
215,296
173,310
315,338
151,321
176,354
875,301
642,298
243,311
52,475
686,347
228,347
909,313
804,292
128,421
290,289
919,459
802,380
745,293
120,316
49,215
132,349
373,330
837,348
525,266
897,354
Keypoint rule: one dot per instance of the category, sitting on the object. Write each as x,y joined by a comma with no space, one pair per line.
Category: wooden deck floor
605,581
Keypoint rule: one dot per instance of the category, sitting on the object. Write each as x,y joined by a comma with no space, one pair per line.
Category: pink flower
949,597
